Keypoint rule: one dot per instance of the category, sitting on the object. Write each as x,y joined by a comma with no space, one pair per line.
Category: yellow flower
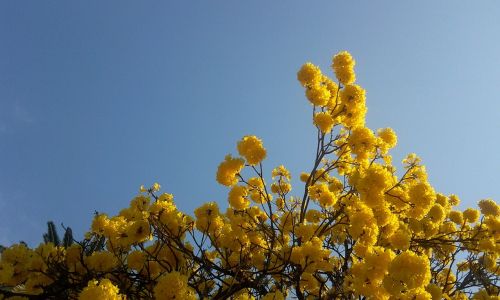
277,295
436,214
166,197
354,117
456,217
74,257
471,215
363,225
280,171
318,94
400,239
313,216
435,291
309,74
238,197
408,271
362,143
173,285
324,121
334,102
388,137
322,194
36,282
343,59
6,273
208,217
304,176
104,290
353,97
483,295
140,203
368,273
256,190
280,203
281,187
100,223
101,261
489,207
156,187
422,196
454,200
136,260
14,264
372,184
228,169
138,231
251,148
343,66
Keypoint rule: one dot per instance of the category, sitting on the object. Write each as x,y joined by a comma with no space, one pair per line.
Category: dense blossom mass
357,229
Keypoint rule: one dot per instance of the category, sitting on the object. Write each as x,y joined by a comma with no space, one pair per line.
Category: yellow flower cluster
251,148
309,74
338,106
372,183
422,197
322,194
388,137
343,65
256,190
100,290
238,197
367,274
362,143
228,169
363,225
353,106
408,273
173,286
208,217
489,207
324,121
357,229
101,261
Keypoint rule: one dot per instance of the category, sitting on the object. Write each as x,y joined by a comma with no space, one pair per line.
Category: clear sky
99,97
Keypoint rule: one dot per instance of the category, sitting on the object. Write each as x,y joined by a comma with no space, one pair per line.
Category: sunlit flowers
252,149
355,226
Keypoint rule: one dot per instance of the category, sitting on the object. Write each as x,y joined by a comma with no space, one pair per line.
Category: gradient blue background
99,97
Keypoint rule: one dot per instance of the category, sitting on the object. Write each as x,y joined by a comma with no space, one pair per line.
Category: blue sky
99,97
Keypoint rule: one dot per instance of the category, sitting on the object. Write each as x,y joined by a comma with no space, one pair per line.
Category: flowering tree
356,231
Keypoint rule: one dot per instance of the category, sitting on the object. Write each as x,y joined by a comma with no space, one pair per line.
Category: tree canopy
355,230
